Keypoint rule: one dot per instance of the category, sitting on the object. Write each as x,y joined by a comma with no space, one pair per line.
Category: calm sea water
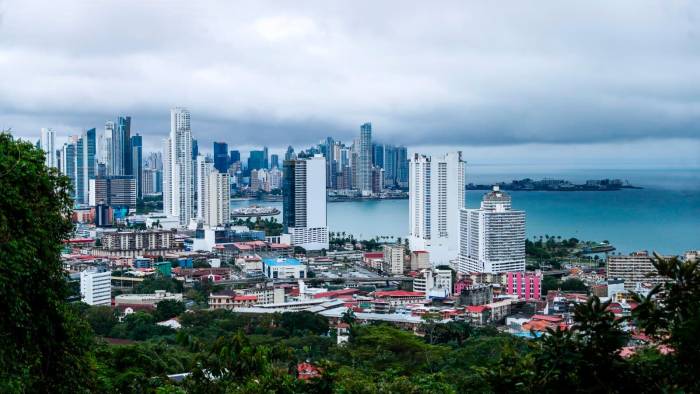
664,216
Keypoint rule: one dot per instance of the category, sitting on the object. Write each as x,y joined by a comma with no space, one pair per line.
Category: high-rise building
177,167
121,152
635,268
492,238
113,190
80,169
204,167
393,259
47,143
266,158
152,181
68,158
377,179
389,166
89,147
402,167
96,286
435,197
378,155
221,156
137,163
364,165
304,203
219,199
274,161
256,160
289,155
105,146
235,156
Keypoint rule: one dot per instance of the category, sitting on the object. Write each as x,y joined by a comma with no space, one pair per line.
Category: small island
558,185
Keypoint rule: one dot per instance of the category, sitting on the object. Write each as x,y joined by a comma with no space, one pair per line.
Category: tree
44,344
168,309
573,284
102,319
549,283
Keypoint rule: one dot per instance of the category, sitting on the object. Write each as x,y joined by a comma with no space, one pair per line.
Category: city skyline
527,87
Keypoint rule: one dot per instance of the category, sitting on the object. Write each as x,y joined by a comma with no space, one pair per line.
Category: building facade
526,285
633,269
436,196
393,259
47,143
178,185
492,238
304,202
364,165
96,286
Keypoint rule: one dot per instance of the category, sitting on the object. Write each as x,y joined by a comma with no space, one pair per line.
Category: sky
582,83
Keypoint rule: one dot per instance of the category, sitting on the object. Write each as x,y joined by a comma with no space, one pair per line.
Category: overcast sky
532,82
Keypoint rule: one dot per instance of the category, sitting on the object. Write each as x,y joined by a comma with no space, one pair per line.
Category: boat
254,211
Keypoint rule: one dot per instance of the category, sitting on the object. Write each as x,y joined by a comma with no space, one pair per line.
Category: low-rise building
284,268
525,285
230,300
393,259
420,260
147,299
433,283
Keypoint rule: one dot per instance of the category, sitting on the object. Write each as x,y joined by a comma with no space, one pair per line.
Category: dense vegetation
270,226
48,345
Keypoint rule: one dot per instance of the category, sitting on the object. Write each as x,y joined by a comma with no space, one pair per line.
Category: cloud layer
425,73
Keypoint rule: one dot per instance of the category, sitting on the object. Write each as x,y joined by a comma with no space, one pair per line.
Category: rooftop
281,261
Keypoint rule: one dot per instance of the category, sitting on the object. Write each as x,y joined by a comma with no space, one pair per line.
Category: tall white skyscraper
204,167
436,195
219,199
48,145
492,238
364,165
304,203
177,167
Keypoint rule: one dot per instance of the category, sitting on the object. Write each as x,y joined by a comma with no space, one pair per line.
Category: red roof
553,319
374,255
336,293
477,308
398,293
245,298
307,371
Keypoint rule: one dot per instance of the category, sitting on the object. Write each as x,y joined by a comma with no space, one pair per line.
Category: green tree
44,344
168,309
573,284
102,319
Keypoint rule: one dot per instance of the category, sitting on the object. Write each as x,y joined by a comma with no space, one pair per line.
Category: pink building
527,285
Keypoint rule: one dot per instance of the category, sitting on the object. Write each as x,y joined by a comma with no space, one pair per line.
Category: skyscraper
364,165
81,194
389,166
492,238
177,167
121,152
203,168
378,155
289,155
435,197
256,160
221,156
402,167
235,157
137,163
106,147
89,147
47,143
266,158
304,202
219,199
274,161
68,169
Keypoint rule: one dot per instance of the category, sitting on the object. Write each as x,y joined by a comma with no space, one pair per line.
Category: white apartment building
96,286
177,167
393,259
636,268
434,283
47,143
304,203
492,238
284,268
203,167
219,199
436,195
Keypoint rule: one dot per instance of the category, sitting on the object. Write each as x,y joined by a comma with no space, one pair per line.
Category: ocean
664,216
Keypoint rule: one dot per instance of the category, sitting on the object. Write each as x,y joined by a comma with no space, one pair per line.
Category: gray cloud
447,73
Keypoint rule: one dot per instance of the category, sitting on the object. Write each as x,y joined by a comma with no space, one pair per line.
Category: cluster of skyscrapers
363,166
103,167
